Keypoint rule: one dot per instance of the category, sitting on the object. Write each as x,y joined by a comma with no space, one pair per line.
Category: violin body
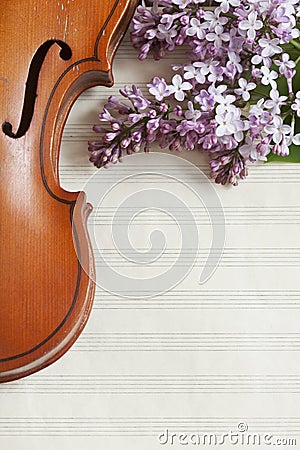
50,51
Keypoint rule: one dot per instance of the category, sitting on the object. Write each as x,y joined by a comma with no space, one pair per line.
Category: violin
50,52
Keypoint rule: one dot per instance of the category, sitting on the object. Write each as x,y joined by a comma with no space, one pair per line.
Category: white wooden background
196,359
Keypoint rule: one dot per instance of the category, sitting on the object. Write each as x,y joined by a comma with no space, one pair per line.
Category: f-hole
31,86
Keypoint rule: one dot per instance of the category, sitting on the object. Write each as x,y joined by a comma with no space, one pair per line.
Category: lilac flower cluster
235,98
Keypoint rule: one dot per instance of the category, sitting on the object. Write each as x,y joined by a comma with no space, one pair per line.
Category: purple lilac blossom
228,99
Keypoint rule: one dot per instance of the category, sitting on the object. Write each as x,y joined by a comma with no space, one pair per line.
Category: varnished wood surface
45,296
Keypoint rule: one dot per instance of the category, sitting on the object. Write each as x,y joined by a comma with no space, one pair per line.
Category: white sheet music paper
195,359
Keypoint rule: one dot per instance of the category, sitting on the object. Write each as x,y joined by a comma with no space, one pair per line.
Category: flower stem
295,44
231,16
